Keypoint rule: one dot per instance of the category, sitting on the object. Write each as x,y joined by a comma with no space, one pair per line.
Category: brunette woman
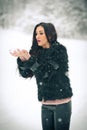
47,60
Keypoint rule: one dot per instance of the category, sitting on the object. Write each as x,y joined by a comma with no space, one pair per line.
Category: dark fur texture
49,68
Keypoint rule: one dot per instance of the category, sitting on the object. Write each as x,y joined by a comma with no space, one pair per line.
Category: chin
39,44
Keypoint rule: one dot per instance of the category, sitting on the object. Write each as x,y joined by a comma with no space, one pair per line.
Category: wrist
22,58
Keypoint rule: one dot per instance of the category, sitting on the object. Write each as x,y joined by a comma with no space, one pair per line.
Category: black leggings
56,117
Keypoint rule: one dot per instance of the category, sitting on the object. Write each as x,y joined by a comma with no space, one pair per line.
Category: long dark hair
51,35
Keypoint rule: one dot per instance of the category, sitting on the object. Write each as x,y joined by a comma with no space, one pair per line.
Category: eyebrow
40,31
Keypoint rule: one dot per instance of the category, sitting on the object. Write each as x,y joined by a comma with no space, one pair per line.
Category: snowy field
19,107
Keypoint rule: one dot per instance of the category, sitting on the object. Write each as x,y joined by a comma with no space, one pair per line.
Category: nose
37,36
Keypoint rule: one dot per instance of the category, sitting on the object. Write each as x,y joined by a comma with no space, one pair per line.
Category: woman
48,61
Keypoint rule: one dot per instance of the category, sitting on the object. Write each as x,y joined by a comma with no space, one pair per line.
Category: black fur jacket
50,68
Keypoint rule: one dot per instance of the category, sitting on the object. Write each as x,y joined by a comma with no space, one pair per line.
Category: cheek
45,38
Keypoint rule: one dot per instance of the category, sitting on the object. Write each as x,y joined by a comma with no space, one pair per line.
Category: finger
24,51
18,50
15,53
19,53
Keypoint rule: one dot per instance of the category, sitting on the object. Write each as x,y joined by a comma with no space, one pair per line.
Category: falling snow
59,119
46,119
60,90
40,83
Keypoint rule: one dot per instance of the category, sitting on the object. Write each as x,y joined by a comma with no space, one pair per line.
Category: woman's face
41,37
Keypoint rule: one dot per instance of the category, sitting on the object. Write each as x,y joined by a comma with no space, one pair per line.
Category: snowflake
59,119
60,90
40,83
46,119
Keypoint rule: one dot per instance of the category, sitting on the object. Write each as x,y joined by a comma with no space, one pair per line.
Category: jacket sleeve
63,58
27,68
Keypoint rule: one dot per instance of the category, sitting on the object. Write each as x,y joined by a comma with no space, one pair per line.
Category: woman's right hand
22,54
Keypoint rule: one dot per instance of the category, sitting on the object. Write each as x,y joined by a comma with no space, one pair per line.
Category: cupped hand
22,54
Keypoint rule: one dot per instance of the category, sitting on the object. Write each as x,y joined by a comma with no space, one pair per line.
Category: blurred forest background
69,16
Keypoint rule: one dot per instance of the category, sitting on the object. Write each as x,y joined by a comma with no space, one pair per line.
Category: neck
47,45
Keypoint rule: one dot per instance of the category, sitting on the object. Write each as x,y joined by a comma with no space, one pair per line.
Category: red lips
38,40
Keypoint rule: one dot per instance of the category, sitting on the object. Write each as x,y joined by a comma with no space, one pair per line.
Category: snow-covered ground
19,107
